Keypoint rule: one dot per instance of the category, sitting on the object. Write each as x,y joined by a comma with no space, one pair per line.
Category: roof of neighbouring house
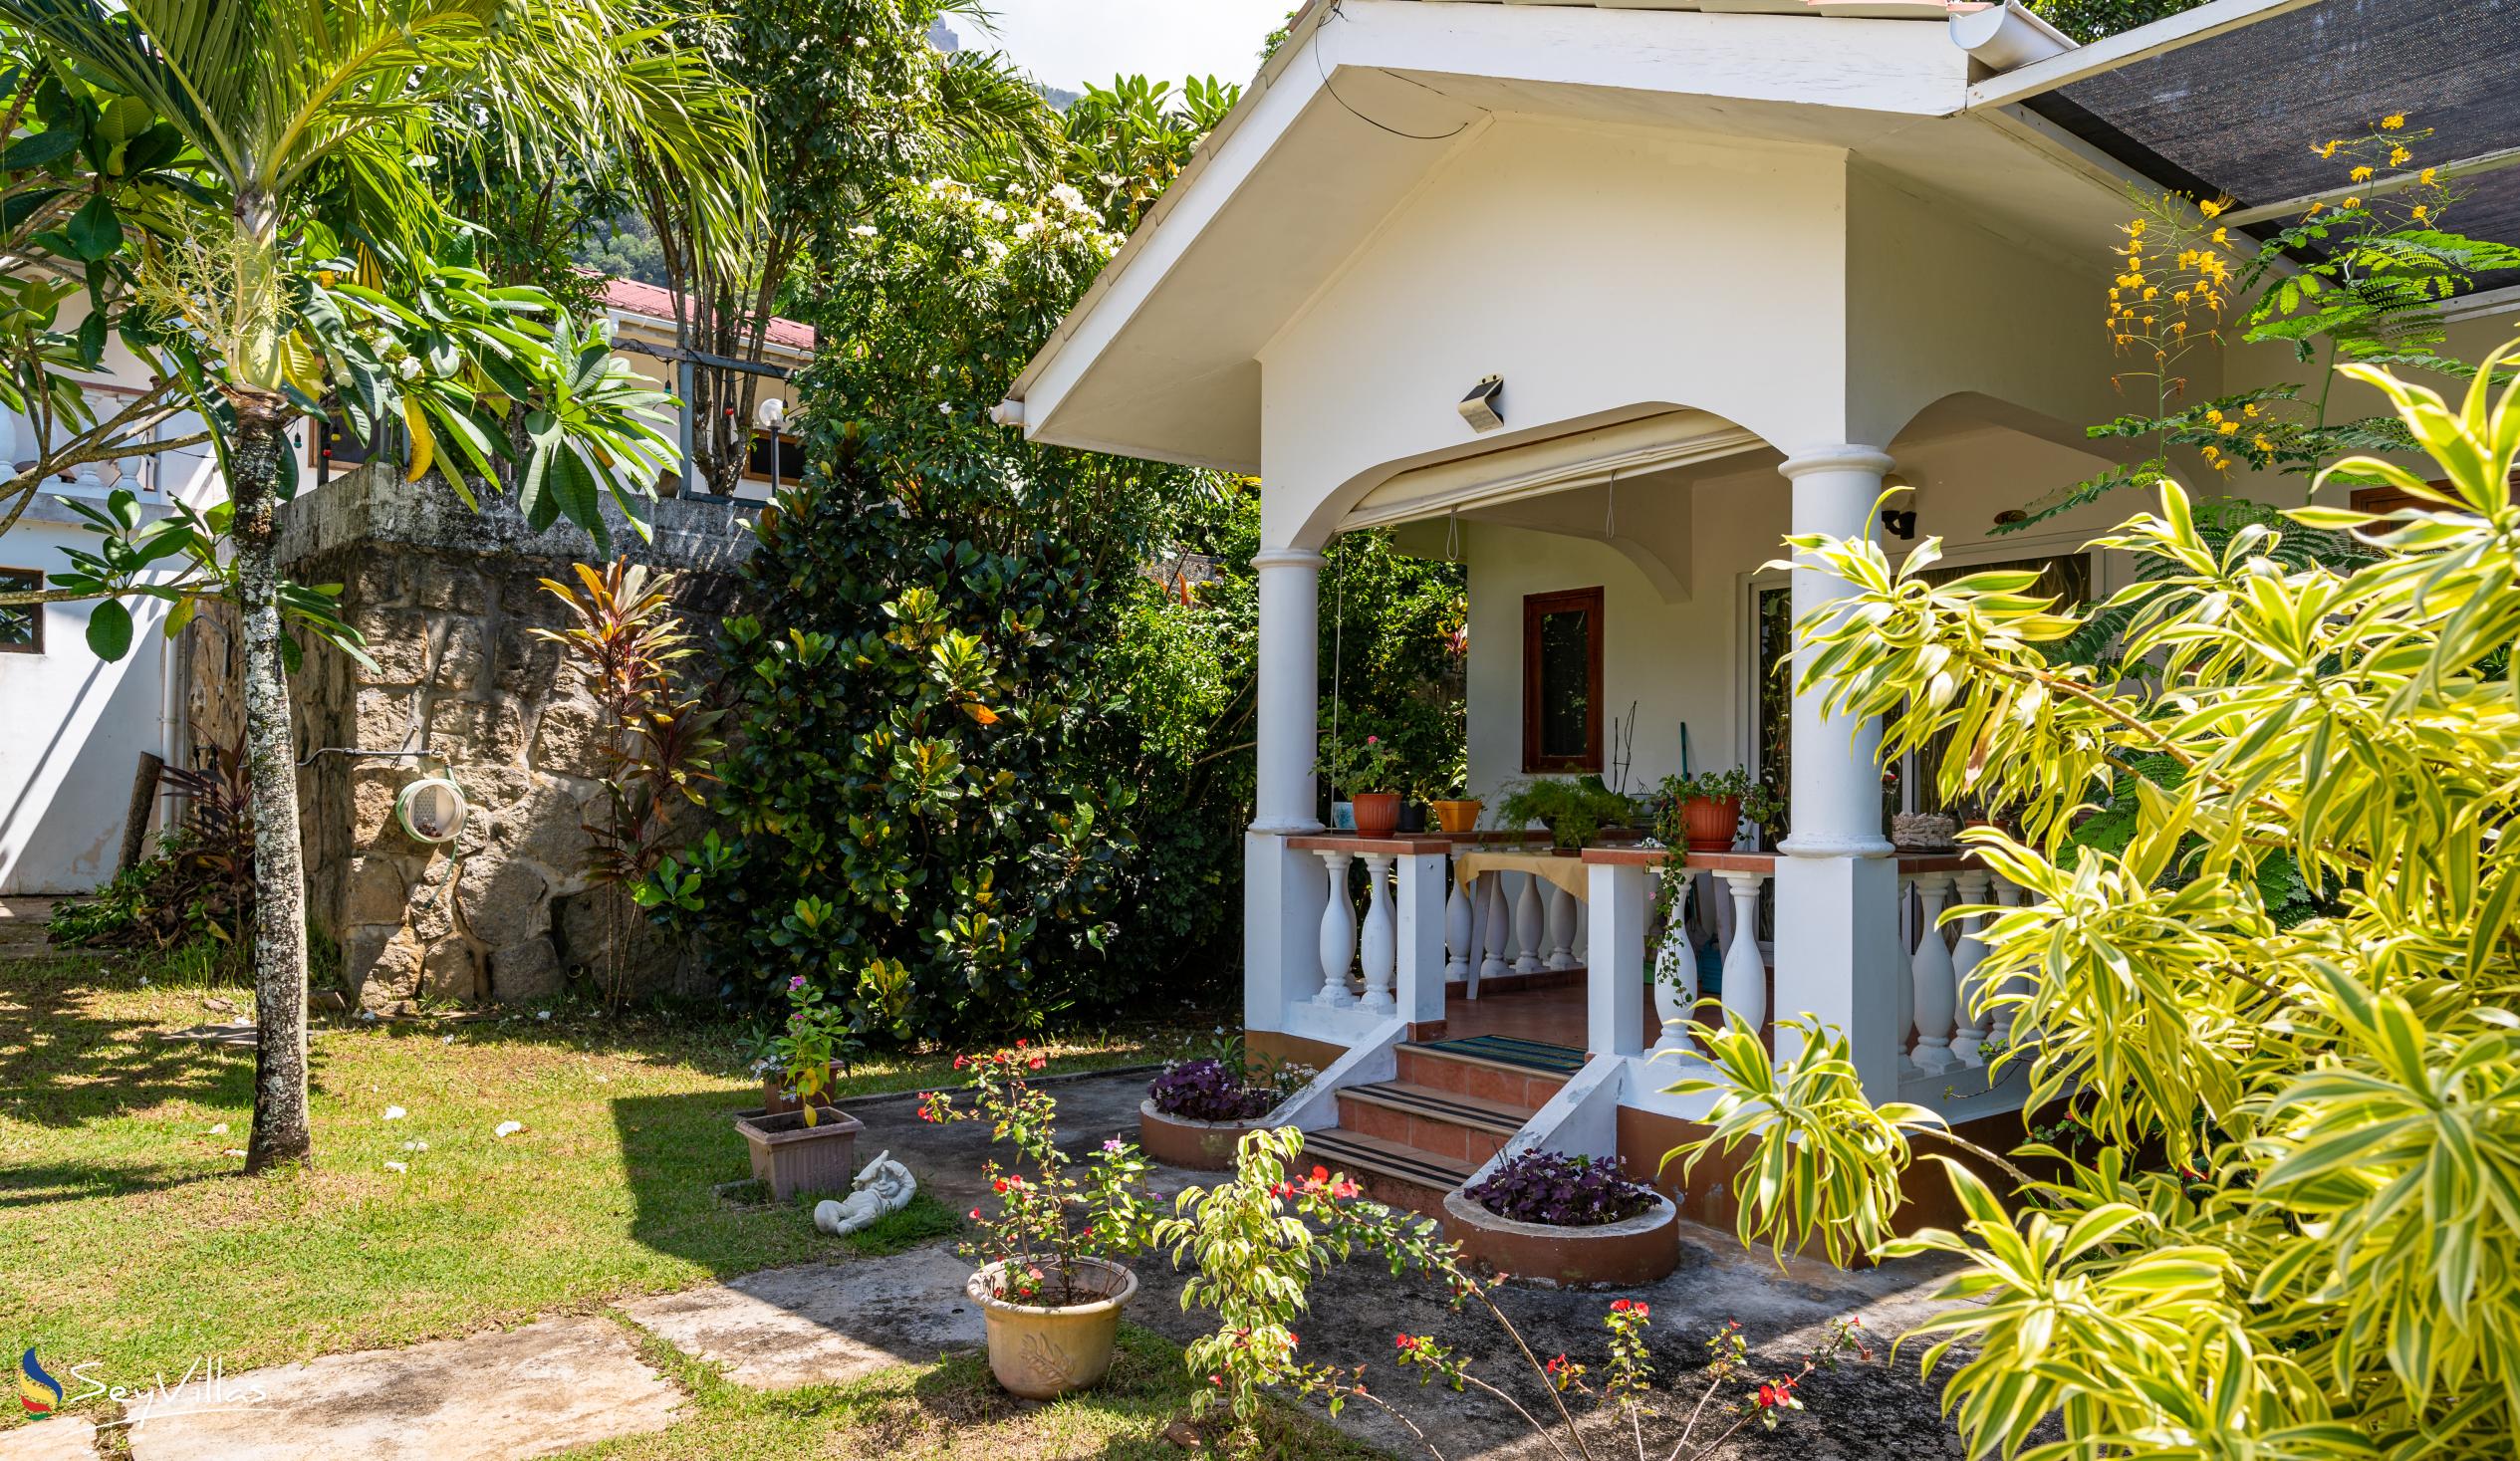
653,301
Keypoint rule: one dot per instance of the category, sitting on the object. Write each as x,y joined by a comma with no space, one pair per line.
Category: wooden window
1562,681
21,624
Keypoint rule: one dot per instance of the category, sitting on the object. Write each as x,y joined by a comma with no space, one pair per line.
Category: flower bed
1566,1219
1196,1110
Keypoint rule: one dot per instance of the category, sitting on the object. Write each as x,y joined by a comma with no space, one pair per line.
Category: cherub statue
884,1186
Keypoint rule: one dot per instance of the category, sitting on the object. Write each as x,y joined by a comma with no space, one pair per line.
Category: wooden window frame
34,645
1537,607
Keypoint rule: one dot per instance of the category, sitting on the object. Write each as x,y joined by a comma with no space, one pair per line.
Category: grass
133,1240
952,1410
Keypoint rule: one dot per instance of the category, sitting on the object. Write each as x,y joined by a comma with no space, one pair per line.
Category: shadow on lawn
73,1067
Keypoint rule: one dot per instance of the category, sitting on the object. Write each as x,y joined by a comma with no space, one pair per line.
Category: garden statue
884,1186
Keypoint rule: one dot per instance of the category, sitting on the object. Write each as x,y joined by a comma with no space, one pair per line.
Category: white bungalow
1734,268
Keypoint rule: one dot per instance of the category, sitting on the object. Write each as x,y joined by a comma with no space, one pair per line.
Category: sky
1066,43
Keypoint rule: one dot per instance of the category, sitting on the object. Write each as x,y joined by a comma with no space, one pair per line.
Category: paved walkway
22,931
567,1382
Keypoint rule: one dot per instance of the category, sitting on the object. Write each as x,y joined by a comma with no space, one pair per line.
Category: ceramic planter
1412,818
1185,1141
778,1096
1377,813
1632,1251
1459,816
1710,822
1041,1353
793,1157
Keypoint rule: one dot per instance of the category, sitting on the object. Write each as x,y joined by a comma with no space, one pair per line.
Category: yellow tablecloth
1566,872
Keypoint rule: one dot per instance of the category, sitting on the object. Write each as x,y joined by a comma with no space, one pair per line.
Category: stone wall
448,601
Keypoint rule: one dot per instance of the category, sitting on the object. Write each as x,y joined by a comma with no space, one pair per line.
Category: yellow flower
2330,149
2263,444
2223,235
2213,413
2228,428
2420,213
2397,156
2354,202
2361,174
2393,121
2136,228
2313,210
2211,207
2427,175
2249,410
2151,292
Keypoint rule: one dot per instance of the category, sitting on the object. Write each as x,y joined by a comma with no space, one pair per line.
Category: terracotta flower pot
793,1157
1459,816
1041,1353
1377,813
1710,822
1632,1251
1187,1141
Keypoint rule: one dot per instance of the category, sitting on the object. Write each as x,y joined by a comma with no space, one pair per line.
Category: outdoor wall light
1899,522
1479,408
431,810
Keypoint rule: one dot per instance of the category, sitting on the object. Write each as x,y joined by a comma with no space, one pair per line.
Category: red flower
1556,1365
1293,1338
1642,1309
1321,1175
1619,1305
1019,1044
1404,1341
959,1060
1344,1189
975,1213
999,1184
1037,1062
1769,1397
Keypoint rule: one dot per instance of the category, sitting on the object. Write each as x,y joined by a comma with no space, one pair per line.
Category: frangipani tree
2294,1229
306,260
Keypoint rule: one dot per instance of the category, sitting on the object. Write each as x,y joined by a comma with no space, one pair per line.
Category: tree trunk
281,1137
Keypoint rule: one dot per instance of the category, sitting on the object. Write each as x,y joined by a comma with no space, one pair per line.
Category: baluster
1745,968
1460,928
1675,971
1529,926
1968,1040
1561,928
1934,998
1495,930
1338,933
1905,1022
2007,895
1583,946
1378,946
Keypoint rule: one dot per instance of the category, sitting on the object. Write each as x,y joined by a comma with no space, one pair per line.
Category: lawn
952,1410
133,1240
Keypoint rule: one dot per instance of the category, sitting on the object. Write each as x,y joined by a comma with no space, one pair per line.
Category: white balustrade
1530,925
2001,1034
1935,999
1337,932
1745,964
1561,928
1377,947
1496,930
1674,972
1584,932
1971,1035
1460,931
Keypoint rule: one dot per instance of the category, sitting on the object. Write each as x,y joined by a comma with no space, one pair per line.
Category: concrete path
60,1438
822,1324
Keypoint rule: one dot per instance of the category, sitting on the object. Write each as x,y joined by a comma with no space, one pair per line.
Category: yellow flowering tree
2291,1225
2356,279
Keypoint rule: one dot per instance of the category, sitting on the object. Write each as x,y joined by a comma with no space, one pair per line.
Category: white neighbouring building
77,726
1736,263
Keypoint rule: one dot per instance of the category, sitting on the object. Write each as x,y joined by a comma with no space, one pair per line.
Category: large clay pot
1041,1353
1377,813
1459,816
1623,1254
1710,822
1185,1141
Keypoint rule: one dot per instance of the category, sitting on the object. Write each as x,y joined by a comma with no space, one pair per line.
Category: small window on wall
21,624
1562,681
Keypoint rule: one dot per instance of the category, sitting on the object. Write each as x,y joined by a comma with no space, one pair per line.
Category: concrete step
1438,1122
1481,1077
1389,1171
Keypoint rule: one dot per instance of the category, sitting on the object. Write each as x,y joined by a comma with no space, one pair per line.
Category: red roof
657,303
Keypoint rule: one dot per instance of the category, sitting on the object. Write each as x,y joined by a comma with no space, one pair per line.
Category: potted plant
808,1055
1196,1109
1704,811
805,1144
1048,1285
1454,812
1353,766
1579,1219
1573,809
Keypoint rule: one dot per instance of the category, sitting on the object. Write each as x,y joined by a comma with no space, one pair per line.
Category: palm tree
305,117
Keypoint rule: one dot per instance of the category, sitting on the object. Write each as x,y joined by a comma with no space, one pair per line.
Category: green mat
1536,1055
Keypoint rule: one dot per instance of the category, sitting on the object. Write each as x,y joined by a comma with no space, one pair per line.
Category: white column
1337,934
1936,983
1837,915
1614,974
1973,887
1420,929
1529,925
1675,971
1283,887
1745,968
1561,936
1289,688
1496,930
1460,930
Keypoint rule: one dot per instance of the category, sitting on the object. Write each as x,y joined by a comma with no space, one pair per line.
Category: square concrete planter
793,1157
